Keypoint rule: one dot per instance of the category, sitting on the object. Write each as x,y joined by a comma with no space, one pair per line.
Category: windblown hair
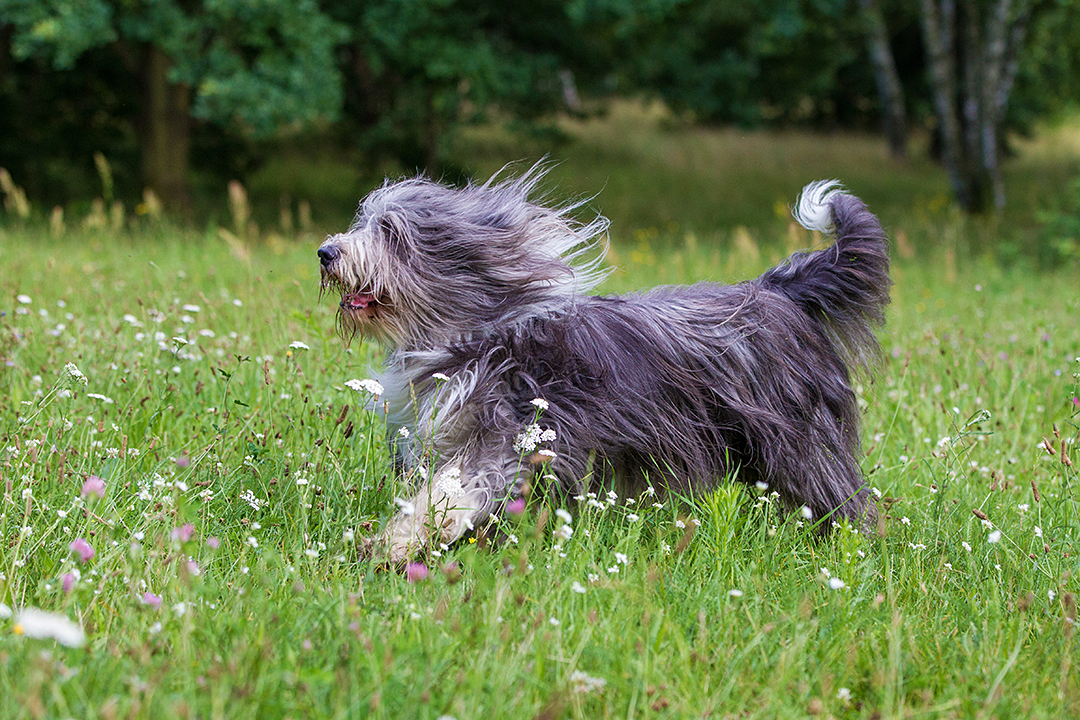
520,257
686,386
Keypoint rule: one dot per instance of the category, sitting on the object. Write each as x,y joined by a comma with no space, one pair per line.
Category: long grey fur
681,385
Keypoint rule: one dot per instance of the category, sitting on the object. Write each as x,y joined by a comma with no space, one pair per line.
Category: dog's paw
383,554
397,552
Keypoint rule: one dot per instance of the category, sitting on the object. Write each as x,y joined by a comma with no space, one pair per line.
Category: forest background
317,102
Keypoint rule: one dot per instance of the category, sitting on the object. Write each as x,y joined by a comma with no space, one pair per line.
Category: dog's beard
361,310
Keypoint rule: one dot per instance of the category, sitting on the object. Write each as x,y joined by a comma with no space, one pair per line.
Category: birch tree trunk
890,91
972,53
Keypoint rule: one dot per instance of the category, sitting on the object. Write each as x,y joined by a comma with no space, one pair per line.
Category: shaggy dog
505,367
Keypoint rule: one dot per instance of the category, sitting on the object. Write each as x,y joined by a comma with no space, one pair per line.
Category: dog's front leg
458,497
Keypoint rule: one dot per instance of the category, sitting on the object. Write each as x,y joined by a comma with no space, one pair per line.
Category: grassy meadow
194,505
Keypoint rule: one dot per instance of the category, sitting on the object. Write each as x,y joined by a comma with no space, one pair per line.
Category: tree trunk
165,133
984,49
890,91
972,52
6,32
939,24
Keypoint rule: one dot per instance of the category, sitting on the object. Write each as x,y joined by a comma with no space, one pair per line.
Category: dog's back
705,381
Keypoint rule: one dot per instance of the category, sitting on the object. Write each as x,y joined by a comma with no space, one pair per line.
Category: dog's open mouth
359,305
356,300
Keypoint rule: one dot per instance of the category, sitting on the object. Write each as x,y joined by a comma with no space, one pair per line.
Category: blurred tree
973,53
776,61
416,68
157,84
254,65
890,90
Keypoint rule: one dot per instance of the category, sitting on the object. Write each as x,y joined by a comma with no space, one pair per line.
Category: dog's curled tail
846,285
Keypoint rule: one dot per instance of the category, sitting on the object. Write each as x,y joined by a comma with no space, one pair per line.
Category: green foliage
1048,83
1061,227
770,60
57,30
268,64
393,83
262,64
415,70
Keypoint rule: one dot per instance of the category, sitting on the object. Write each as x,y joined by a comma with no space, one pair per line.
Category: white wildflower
836,583
563,515
367,385
528,440
449,482
993,537
406,507
34,623
297,345
583,684
735,592
578,588
73,372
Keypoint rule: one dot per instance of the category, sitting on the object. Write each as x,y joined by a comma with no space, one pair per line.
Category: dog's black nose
327,255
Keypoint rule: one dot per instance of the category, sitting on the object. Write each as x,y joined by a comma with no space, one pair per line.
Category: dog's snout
327,255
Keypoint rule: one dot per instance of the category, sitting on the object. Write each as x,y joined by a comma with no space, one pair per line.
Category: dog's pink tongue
357,300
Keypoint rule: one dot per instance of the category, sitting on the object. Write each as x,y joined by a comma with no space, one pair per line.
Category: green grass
292,625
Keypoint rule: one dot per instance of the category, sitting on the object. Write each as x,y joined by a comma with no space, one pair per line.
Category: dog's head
424,263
